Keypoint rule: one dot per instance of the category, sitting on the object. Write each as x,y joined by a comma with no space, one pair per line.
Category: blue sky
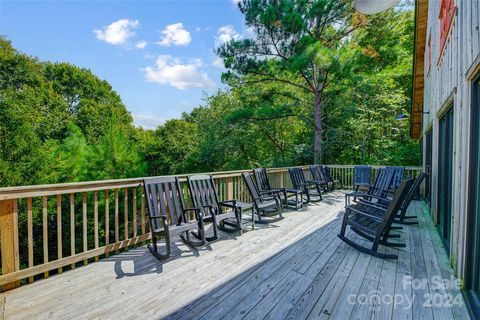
158,55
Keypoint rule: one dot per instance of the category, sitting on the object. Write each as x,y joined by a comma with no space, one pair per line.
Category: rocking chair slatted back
382,183
164,201
261,178
298,178
398,173
317,173
250,185
361,176
203,192
397,202
411,193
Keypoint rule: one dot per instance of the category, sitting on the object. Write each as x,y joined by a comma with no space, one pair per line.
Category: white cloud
175,34
218,62
171,71
118,32
225,34
236,2
147,121
141,44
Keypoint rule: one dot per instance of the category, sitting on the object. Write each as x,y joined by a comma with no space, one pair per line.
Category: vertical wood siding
448,81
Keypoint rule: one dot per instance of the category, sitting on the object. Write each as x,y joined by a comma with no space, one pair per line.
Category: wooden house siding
449,82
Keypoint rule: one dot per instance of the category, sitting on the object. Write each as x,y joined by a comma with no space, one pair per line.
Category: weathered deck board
295,268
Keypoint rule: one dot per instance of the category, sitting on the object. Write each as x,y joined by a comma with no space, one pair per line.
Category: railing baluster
30,235
16,251
134,211
143,211
59,230
125,207
84,224
95,220
45,231
72,226
117,237
107,219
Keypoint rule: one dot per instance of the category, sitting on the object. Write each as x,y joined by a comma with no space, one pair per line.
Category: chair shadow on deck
274,281
138,261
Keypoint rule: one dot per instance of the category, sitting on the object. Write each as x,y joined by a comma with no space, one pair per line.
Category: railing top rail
373,166
20,192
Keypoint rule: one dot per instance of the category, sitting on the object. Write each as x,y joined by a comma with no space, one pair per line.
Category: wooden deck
295,268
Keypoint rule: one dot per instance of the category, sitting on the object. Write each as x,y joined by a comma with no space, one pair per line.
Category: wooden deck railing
87,220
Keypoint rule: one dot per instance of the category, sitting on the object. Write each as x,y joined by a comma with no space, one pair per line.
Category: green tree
297,43
90,100
172,148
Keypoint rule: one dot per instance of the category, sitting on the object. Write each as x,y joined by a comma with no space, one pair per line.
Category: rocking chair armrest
207,206
378,189
161,217
374,206
269,197
385,191
377,197
311,182
228,203
193,209
371,216
269,192
197,211
368,202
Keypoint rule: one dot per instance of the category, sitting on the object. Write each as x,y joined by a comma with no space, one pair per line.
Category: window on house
447,10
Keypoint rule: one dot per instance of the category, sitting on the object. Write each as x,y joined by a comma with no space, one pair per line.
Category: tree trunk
317,112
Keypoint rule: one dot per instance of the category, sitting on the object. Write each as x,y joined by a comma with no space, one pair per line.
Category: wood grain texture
59,230
107,217
295,268
125,212
95,221
84,225
30,234
72,226
45,231
7,240
134,212
449,80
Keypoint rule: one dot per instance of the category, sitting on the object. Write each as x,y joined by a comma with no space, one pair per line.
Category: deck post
9,243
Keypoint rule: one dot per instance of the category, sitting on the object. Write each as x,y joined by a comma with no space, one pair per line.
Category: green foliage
298,44
172,148
60,123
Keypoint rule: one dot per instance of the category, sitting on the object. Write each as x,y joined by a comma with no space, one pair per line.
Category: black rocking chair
205,197
398,173
168,216
374,223
331,180
402,217
361,177
318,176
311,189
380,188
265,205
264,187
